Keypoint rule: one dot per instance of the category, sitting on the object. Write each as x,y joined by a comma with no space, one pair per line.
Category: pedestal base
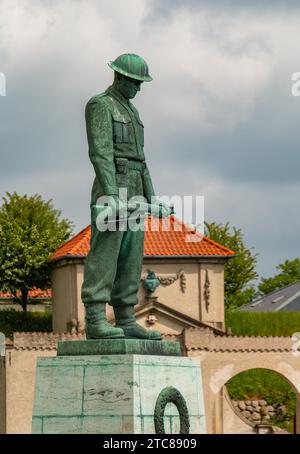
118,347
118,393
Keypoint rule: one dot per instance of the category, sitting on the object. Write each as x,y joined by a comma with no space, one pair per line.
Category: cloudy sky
220,119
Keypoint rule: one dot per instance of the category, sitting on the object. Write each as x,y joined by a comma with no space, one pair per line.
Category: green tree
30,231
289,272
240,270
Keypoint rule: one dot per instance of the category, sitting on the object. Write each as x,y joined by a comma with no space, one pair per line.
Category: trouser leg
99,275
129,268
101,266
126,286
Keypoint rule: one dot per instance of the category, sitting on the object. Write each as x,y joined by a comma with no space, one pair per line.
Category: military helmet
131,65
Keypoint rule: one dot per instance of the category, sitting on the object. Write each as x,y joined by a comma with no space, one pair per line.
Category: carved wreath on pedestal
171,395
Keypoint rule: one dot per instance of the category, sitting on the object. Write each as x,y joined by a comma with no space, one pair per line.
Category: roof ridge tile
158,242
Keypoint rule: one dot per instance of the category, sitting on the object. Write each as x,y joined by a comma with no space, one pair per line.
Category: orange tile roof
33,293
178,240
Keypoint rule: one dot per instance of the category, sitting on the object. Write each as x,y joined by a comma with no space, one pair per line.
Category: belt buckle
121,165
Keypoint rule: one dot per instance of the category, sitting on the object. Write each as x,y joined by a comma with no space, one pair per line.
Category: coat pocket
122,129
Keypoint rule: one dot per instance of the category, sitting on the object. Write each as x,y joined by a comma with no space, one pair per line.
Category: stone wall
20,365
260,410
2,395
233,420
221,357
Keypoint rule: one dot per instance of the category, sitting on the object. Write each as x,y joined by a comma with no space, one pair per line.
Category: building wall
20,382
67,278
233,423
164,324
219,367
2,395
212,310
221,358
66,281
172,295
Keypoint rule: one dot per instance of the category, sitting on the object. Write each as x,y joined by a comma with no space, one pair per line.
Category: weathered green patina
116,148
116,137
118,347
131,65
166,396
118,394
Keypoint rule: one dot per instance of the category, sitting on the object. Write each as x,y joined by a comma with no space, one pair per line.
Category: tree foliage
240,270
289,272
30,231
268,385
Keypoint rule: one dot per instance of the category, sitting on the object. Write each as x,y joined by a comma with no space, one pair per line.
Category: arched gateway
223,357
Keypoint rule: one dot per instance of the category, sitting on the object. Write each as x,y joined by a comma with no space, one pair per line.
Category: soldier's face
129,87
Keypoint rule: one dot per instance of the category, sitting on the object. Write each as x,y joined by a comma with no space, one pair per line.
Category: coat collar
118,96
122,100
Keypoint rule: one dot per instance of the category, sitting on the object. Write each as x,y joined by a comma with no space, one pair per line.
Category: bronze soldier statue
116,149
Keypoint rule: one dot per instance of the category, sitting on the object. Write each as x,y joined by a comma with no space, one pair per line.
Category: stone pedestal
105,387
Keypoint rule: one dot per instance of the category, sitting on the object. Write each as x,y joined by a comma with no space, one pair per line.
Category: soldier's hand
165,210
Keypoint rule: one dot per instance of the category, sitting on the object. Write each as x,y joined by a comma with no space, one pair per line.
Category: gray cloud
220,119
165,8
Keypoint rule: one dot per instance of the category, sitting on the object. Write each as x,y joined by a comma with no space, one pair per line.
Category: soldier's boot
125,319
96,325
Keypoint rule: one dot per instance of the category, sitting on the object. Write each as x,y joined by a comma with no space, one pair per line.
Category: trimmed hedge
12,321
263,323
